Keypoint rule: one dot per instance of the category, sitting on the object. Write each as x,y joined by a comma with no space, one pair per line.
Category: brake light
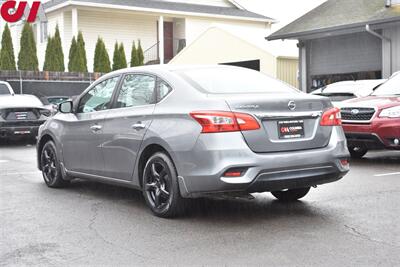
331,117
224,121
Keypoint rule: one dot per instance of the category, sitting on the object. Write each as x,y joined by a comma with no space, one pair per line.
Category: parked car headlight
390,112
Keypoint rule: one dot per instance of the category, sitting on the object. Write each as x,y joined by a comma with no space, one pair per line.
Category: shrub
27,58
101,58
7,58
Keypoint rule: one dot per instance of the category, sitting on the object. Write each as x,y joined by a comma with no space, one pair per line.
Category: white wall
112,27
217,46
196,26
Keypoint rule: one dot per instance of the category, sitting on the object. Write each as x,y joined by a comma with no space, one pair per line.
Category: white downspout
384,39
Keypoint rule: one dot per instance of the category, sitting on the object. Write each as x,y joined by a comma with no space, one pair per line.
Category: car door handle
138,126
96,128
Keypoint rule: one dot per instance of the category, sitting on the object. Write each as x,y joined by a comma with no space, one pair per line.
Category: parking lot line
387,174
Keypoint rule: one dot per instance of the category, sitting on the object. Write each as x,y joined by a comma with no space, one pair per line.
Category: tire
160,187
291,194
50,165
357,152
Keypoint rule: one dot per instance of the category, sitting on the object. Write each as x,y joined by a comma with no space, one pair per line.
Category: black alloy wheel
50,166
160,186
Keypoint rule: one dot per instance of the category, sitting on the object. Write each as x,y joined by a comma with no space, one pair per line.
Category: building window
43,31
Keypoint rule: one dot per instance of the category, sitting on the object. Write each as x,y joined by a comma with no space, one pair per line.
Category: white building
163,26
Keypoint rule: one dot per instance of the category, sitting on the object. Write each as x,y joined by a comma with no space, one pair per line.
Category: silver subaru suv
179,132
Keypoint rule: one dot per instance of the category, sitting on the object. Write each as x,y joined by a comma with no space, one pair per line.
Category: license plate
291,129
22,132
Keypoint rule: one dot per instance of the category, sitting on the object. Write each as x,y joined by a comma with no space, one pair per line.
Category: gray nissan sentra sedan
179,132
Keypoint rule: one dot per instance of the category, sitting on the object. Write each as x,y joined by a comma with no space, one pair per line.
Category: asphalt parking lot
353,222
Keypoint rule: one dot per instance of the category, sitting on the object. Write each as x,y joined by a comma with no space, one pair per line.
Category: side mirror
65,107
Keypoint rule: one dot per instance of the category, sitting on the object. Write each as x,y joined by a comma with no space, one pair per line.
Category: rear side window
163,90
4,89
231,80
136,90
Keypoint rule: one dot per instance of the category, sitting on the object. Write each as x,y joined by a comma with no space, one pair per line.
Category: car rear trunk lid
288,121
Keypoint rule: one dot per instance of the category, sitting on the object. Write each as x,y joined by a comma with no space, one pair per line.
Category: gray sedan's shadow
381,157
261,207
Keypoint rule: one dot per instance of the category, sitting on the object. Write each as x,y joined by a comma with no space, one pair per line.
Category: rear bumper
201,171
379,134
19,129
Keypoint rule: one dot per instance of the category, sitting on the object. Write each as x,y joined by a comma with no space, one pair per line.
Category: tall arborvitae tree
77,55
140,54
116,58
101,58
122,56
58,52
82,51
7,58
27,58
49,58
72,56
134,56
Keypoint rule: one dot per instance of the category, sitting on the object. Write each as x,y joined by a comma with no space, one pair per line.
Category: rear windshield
4,90
233,81
391,87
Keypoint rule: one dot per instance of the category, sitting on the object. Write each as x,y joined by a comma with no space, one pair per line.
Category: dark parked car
373,122
21,116
185,132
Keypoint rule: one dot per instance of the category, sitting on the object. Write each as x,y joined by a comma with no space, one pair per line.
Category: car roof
164,67
351,86
20,101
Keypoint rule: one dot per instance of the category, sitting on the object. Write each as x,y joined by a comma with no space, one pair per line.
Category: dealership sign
13,11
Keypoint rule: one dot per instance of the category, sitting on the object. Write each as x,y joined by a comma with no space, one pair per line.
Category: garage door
358,52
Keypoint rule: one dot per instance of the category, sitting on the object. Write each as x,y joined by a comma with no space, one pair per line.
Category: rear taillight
331,117
224,121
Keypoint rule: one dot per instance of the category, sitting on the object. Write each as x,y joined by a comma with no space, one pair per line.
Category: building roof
234,12
336,15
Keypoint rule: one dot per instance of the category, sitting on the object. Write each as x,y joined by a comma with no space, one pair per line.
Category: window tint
136,90
99,97
233,80
163,90
4,90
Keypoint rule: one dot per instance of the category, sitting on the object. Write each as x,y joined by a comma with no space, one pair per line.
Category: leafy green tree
54,57
115,65
72,55
119,58
7,58
134,56
140,54
58,53
101,58
82,51
49,59
77,61
27,58
122,56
